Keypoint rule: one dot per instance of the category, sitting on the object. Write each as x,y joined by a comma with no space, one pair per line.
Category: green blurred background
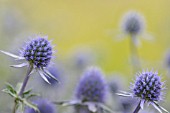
87,26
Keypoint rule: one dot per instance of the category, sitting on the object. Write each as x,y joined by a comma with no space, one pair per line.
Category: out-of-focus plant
90,93
43,105
133,25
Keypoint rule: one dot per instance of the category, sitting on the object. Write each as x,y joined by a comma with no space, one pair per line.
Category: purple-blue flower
44,106
132,23
90,93
38,51
148,87
92,86
36,55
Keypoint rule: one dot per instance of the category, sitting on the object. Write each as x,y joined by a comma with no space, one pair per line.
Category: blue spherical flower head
37,55
148,87
132,23
38,51
44,106
92,86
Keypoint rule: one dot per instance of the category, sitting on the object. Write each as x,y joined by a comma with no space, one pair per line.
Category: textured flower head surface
44,106
92,86
38,51
148,87
36,55
133,23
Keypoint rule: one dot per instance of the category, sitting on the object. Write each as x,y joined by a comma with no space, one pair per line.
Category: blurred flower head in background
90,93
133,23
43,105
92,86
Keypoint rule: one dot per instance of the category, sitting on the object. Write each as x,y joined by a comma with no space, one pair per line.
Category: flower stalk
137,108
15,106
30,68
134,54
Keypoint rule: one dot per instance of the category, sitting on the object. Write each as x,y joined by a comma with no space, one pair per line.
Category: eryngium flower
38,51
92,86
36,55
90,93
132,23
148,88
44,106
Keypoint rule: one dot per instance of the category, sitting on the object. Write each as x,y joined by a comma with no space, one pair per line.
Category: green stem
15,107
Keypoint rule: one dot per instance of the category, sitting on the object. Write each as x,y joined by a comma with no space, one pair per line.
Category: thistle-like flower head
132,23
36,55
148,87
90,93
44,106
38,51
92,86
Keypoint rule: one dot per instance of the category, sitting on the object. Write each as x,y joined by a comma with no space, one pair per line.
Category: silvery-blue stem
137,108
26,79
23,86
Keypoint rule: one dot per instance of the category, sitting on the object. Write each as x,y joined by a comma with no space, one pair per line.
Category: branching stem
30,68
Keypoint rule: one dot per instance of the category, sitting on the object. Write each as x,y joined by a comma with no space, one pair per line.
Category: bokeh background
84,33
